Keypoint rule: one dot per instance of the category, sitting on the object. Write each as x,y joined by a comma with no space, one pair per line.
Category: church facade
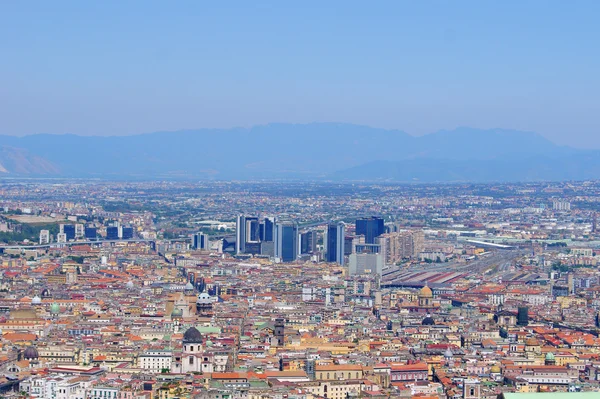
197,356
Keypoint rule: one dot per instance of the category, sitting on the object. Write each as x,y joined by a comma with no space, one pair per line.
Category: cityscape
304,290
307,199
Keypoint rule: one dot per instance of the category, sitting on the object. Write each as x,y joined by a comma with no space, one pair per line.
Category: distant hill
318,150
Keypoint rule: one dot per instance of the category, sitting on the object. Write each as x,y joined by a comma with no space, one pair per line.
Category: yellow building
331,389
339,372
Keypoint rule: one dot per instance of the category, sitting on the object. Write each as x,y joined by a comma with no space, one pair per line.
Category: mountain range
334,151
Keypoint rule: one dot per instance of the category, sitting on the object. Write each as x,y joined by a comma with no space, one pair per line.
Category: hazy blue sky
124,67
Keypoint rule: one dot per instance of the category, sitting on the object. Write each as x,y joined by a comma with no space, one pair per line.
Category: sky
129,67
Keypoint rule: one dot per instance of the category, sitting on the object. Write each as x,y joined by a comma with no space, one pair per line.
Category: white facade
79,230
44,237
155,361
561,205
100,392
367,263
58,387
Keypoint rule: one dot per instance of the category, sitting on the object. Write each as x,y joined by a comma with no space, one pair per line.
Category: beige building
401,245
331,389
339,372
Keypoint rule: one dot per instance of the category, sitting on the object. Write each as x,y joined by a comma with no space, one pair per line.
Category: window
191,360
472,391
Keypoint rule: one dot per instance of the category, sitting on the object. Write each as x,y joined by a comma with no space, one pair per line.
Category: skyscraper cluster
285,241
255,236
371,228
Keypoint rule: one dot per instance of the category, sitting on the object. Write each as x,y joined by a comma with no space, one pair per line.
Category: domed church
426,303
196,357
428,321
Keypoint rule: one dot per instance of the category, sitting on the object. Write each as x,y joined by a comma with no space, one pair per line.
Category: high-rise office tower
90,233
252,229
248,231
112,233
286,241
127,233
335,243
200,241
348,242
255,236
68,230
267,236
240,241
252,244
308,242
371,228
268,229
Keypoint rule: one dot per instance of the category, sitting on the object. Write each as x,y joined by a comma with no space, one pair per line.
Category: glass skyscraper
371,228
335,242
286,241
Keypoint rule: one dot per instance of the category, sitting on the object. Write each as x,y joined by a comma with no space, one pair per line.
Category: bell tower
280,331
471,389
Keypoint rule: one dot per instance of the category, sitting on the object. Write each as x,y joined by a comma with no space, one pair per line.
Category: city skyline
311,200
120,289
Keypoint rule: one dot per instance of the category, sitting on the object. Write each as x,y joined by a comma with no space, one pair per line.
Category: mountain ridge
279,150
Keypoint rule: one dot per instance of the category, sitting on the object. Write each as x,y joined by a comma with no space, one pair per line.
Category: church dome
192,335
209,343
549,356
129,285
428,321
189,286
177,312
55,308
426,292
36,300
532,342
495,369
448,354
31,353
203,299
